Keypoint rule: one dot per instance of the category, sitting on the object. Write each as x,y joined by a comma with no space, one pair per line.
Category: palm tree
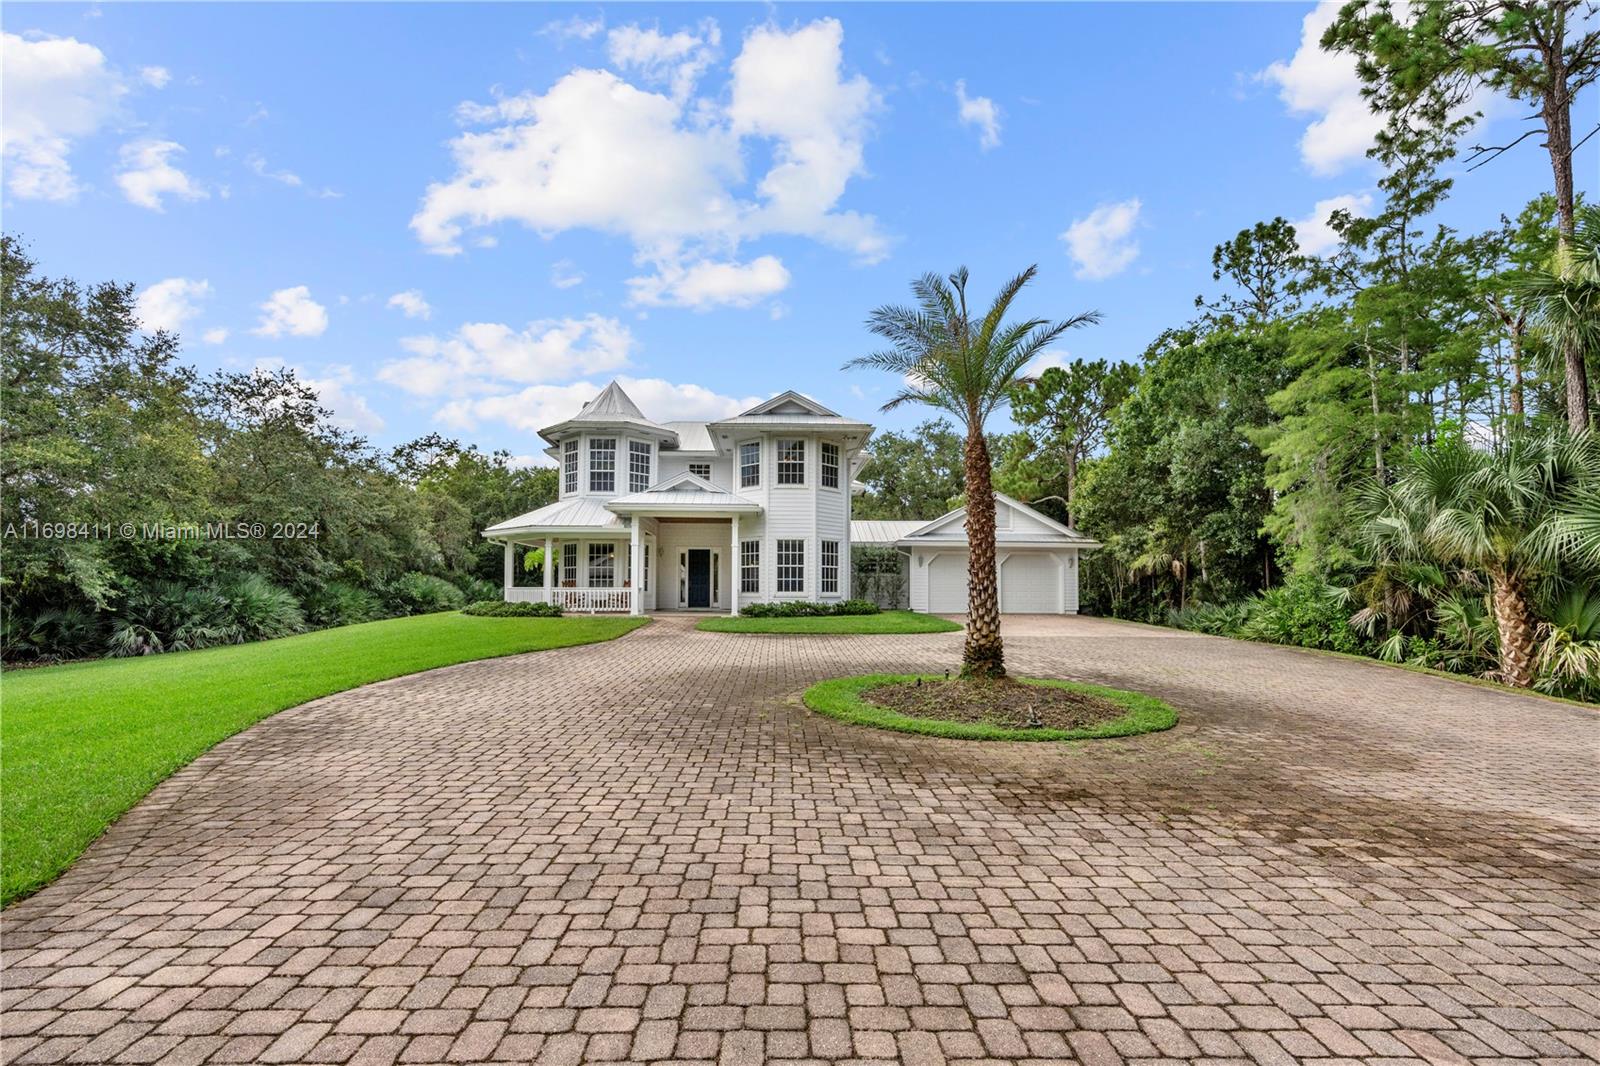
967,367
1513,513
1564,298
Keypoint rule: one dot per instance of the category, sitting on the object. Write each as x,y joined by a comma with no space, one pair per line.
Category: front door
699,577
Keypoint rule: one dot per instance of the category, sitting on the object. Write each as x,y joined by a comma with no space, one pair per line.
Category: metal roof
684,493
692,436
579,512
880,532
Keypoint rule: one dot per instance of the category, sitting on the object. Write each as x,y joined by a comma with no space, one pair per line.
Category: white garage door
1030,584
947,584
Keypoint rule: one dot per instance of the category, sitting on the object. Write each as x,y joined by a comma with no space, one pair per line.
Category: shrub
341,604
1217,619
501,609
70,632
1306,612
419,593
170,616
476,589
256,609
805,609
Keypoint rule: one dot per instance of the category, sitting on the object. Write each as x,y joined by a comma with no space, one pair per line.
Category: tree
1264,263
966,366
1514,513
912,475
1563,295
1066,410
1444,51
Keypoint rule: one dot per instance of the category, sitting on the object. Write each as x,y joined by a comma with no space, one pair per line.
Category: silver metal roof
579,512
881,532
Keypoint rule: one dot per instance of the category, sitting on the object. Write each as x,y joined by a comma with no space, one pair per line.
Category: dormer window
791,462
638,466
701,470
602,464
569,466
830,466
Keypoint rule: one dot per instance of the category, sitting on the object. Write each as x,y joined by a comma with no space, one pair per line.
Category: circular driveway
647,850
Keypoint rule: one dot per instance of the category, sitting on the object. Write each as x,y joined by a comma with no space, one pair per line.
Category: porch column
549,567
734,582
511,570
635,569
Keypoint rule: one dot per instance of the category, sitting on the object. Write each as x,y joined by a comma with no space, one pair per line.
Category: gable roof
881,532
950,528
684,493
790,402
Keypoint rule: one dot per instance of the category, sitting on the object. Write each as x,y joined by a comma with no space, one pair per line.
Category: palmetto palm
966,366
1564,298
1532,505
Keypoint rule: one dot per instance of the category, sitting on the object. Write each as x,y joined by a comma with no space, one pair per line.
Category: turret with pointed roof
612,409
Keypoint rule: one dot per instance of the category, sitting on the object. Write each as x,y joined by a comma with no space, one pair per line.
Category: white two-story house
750,509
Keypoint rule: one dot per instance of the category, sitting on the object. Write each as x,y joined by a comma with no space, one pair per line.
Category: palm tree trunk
984,656
1514,618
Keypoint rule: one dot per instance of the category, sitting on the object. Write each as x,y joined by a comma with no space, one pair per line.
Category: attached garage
1036,561
947,583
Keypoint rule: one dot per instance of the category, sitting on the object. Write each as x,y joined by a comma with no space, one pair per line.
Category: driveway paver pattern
649,851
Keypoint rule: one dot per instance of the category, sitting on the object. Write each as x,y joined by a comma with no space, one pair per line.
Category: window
830,466
749,465
569,566
791,462
716,578
569,465
791,566
830,566
603,464
602,566
749,566
644,556
701,470
638,466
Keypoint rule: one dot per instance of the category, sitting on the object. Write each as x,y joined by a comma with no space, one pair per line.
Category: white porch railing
578,601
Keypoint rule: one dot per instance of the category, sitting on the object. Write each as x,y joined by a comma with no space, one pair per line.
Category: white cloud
1313,233
1051,357
481,356
1102,242
411,304
979,111
537,406
1325,85
148,174
350,409
596,152
292,312
155,77
258,166
705,284
169,304
57,90
676,60
217,335
576,28
565,274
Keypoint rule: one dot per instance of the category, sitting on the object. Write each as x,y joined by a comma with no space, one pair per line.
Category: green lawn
84,742
887,622
841,699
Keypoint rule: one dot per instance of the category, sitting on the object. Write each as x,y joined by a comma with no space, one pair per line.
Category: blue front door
699,577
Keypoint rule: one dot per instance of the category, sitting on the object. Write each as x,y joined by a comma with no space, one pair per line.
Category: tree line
106,437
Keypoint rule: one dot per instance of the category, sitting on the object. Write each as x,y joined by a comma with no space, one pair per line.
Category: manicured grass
887,622
841,699
85,741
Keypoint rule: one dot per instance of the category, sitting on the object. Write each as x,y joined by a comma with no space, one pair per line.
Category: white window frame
830,469
639,475
608,553
790,555
569,466
825,583
750,566
750,473
698,465
569,564
781,479
602,461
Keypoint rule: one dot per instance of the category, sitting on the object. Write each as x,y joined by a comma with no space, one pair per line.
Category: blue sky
469,218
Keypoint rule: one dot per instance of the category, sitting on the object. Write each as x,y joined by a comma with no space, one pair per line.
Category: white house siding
1069,581
754,527
674,538
672,463
1030,583
946,582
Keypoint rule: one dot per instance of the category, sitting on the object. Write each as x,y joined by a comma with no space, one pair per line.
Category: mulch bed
1006,703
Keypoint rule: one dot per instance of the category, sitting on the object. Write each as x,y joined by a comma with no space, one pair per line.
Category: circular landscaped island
1026,708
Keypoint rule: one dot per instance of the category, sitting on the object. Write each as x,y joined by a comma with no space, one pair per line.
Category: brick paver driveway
645,850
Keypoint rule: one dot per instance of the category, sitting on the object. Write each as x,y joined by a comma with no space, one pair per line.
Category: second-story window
569,466
749,465
701,470
791,462
638,466
830,465
602,464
